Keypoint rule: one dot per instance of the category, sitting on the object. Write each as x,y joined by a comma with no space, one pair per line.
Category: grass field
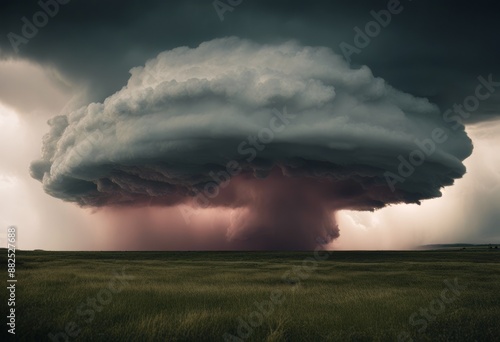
238,296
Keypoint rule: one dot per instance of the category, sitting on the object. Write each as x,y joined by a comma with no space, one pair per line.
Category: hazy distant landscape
258,296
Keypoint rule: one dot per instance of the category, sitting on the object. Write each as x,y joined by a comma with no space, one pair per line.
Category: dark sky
85,51
431,49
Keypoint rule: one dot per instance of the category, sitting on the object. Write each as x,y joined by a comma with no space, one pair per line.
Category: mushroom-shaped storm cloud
282,136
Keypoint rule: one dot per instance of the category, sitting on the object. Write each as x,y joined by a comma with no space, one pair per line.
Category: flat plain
437,295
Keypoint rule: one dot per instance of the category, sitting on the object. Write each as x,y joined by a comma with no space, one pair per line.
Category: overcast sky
84,51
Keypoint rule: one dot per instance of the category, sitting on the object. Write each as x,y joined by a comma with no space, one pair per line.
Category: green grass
199,296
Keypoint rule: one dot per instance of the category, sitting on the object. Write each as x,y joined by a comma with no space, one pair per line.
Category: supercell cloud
276,137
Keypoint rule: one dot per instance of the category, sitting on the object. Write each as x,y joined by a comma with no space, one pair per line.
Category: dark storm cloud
324,137
431,49
190,111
